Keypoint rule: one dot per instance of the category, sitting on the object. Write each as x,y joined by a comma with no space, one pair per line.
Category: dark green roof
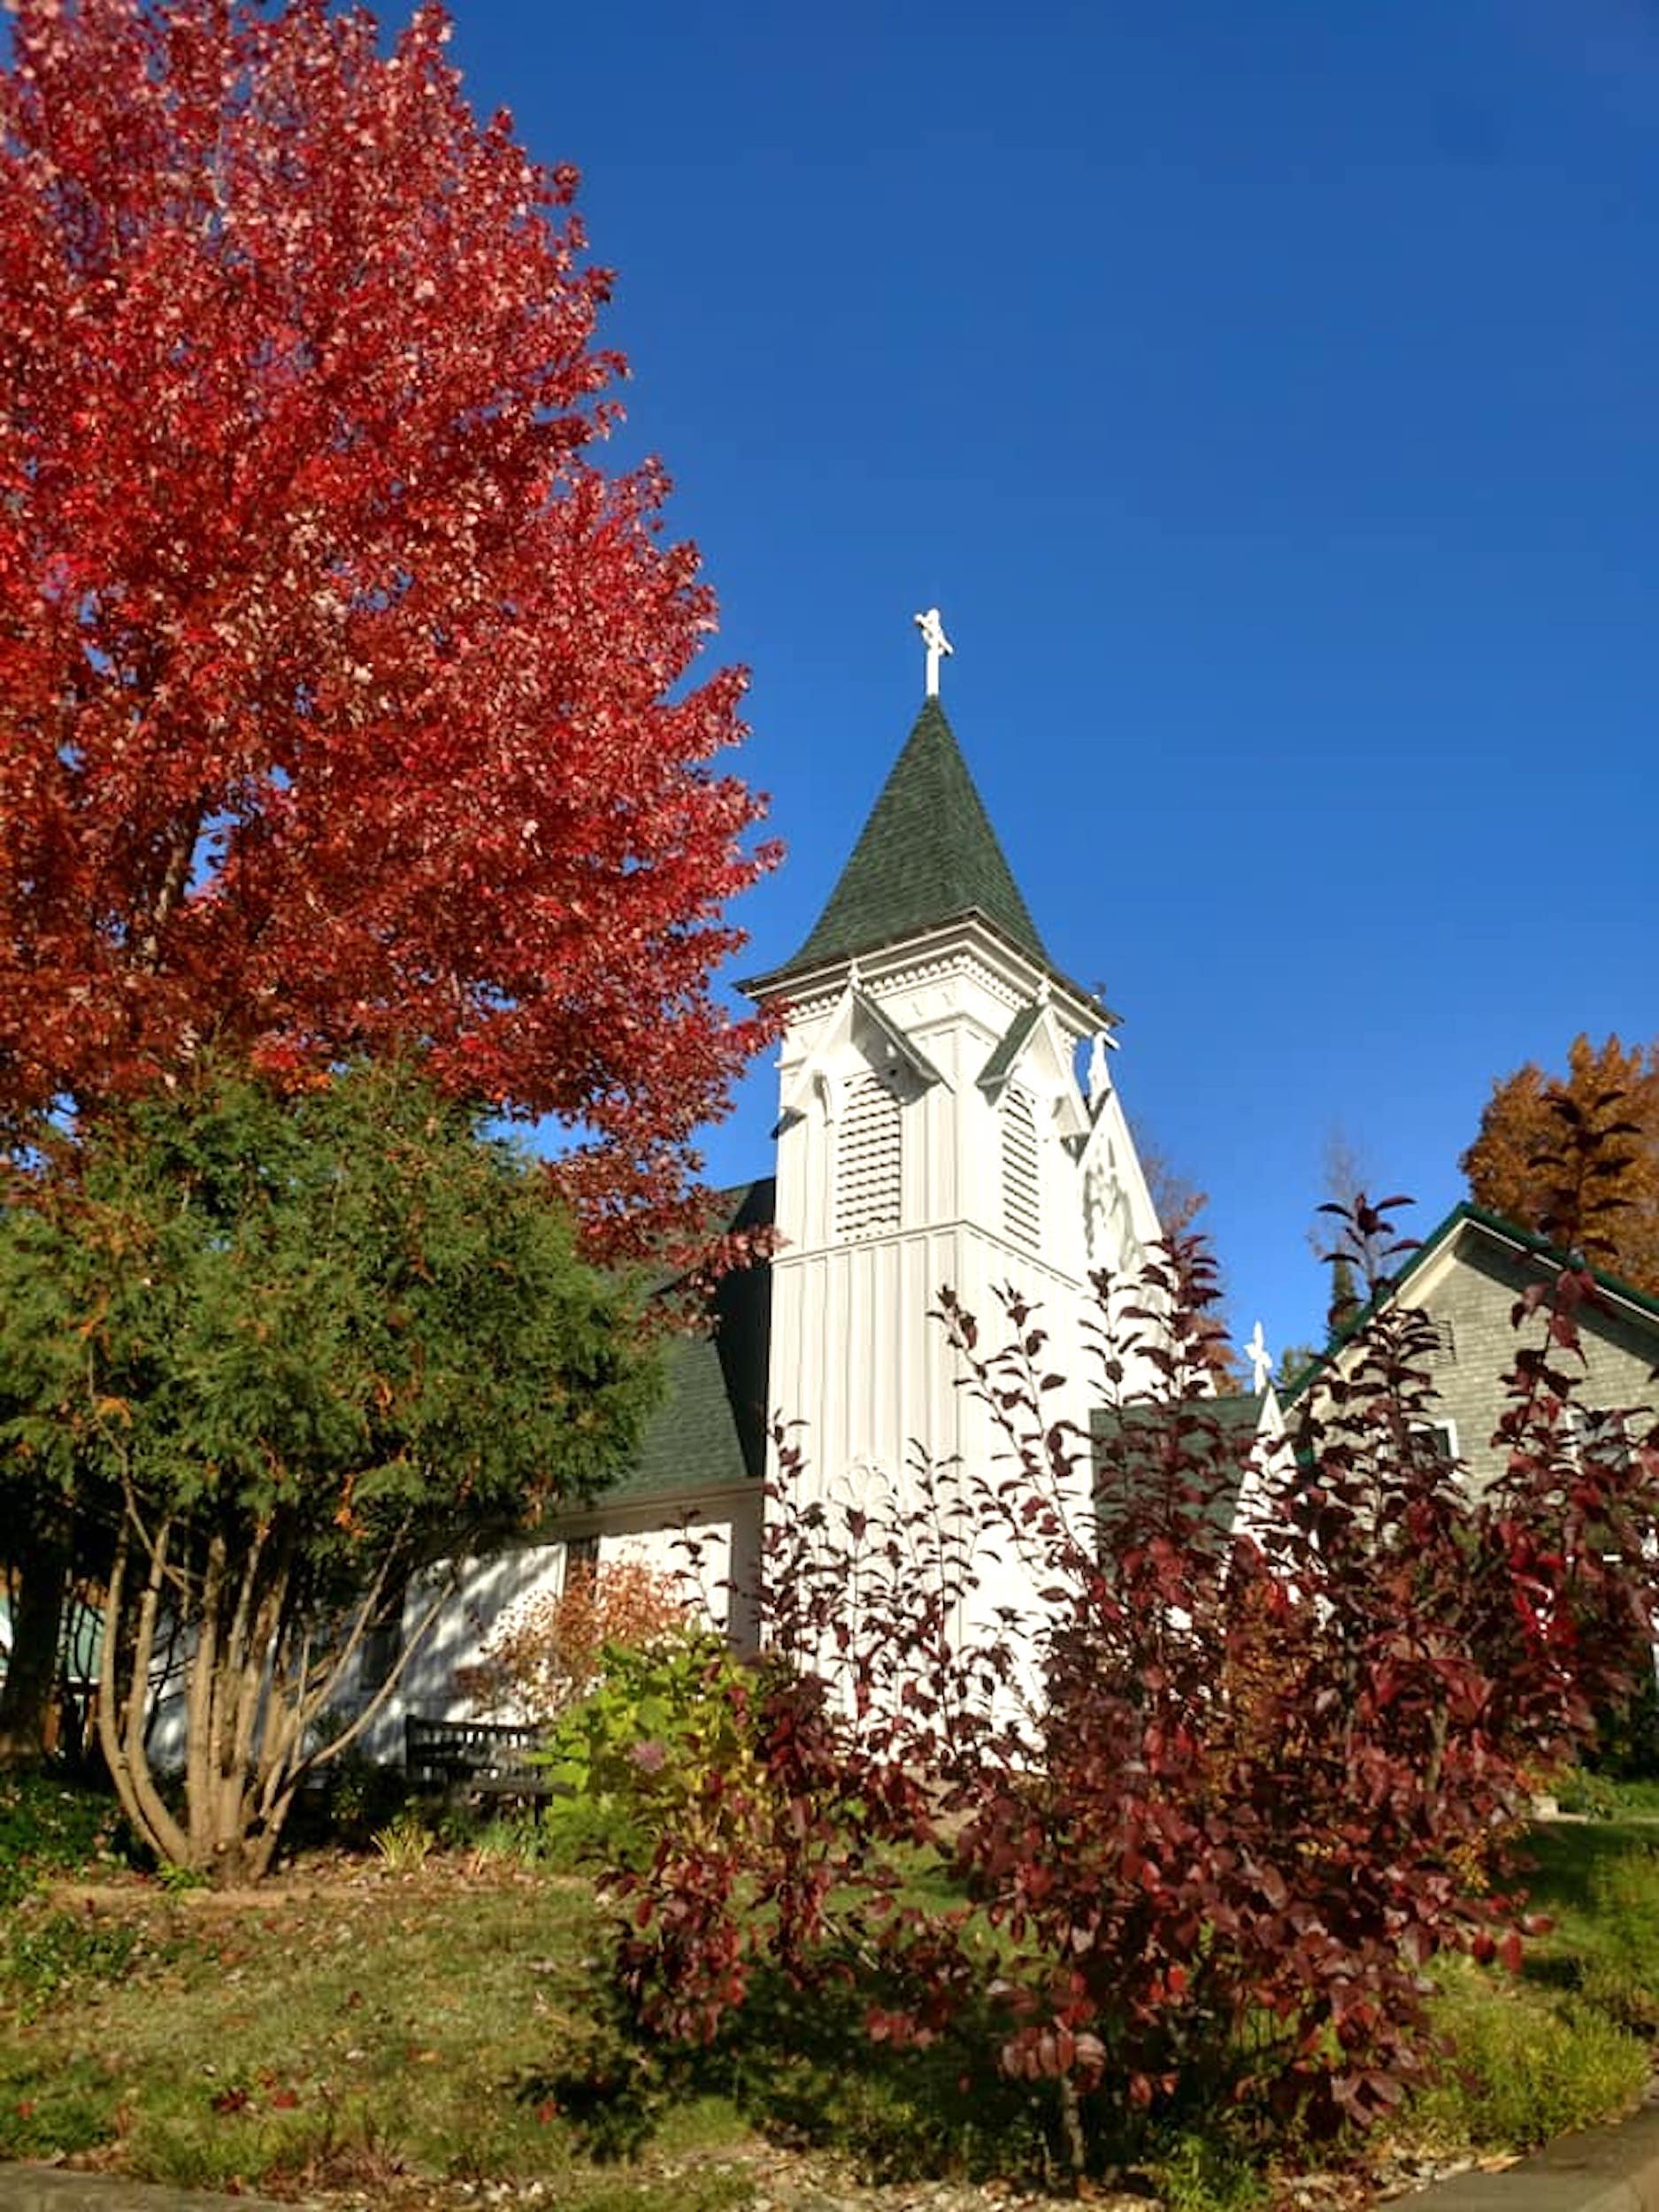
927,855
1230,1410
1231,1420
711,1429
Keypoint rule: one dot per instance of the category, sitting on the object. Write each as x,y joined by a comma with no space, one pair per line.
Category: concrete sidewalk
1602,2170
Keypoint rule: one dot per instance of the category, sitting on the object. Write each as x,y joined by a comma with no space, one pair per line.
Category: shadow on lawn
800,2068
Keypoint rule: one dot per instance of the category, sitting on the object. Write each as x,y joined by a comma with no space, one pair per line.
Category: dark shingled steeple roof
927,855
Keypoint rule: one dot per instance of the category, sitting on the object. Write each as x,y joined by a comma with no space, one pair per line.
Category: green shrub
405,1843
179,1881
1629,1999
1198,2173
1619,1972
1522,2070
520,1838
570,1835
1627,1735
361,1795
1584,1791
632,1755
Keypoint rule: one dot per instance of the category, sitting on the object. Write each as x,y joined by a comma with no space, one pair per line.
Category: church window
867,1165
1022,1215
383,1642
582,1560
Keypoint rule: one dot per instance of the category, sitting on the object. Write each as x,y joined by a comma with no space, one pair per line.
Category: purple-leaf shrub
1211,1816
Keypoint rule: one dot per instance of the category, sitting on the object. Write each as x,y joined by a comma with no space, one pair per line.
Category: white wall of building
858,1357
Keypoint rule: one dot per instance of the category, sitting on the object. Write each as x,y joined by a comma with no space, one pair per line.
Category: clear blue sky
1268,395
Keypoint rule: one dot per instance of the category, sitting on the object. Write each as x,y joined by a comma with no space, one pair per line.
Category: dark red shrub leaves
1192,1839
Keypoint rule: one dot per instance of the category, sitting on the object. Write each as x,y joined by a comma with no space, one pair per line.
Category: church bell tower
932,1130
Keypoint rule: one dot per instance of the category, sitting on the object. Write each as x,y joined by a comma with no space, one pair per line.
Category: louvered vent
867,1159
1022,1216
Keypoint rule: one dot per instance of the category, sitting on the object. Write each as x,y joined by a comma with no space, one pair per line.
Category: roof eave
800,979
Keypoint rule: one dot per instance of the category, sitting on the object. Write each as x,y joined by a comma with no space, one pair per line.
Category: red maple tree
343,690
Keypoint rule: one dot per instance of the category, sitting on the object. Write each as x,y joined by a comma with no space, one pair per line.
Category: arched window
867,1158
1022,1211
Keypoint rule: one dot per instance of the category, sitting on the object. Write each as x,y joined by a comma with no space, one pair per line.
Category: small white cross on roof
1260,1358
938,645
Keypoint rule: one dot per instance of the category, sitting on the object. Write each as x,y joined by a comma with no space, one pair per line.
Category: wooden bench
476,1758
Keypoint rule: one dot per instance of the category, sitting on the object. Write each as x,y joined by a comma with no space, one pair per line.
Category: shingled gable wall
1467,1276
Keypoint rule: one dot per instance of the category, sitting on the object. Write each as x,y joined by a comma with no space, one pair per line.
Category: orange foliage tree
1602,1197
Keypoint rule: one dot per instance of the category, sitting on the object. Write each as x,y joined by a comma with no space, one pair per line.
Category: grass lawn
396,2035
1571,1864
347,2031
1572,2039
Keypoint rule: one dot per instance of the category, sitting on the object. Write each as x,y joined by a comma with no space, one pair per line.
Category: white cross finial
1260,1360
938,645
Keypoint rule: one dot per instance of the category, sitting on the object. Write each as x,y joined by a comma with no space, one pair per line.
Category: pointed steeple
927,855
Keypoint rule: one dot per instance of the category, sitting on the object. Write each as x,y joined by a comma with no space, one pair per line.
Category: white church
933,1131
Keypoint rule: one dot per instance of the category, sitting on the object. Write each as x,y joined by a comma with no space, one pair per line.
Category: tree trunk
122,1719
1072,2140
26,1706
239,1728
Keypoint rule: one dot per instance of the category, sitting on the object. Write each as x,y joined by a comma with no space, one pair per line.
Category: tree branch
122,1730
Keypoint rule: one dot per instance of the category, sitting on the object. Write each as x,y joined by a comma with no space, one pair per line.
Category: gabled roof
854,1012
927,855
1495,1225
1511,1232
709,1431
